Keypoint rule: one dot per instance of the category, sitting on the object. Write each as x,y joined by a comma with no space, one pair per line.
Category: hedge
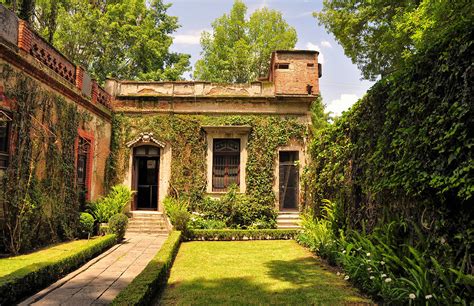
153,278
235,234
31,278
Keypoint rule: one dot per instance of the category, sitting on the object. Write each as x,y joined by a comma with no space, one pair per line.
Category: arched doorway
145,177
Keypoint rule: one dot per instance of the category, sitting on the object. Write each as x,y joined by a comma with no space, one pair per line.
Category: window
82,170
226,164
4,145
282,66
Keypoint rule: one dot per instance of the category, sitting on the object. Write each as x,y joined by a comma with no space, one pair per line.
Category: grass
18,266
253,272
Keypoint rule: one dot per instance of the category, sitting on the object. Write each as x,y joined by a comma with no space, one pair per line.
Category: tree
127,39
238,50
380,35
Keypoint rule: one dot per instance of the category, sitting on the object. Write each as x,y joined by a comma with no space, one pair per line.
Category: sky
341,84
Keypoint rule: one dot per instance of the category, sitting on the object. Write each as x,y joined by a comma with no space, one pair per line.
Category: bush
237,210
177,211
235,234
115,202
86,225
118,225
27,281
198,222
143,289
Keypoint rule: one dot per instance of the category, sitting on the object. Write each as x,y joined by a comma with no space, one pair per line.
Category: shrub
236,234
118,225
237,210
112,204
86,224
177,211
198,222
143,289
24,282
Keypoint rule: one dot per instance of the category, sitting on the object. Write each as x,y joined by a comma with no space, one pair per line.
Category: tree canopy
380,35
127,39
238,50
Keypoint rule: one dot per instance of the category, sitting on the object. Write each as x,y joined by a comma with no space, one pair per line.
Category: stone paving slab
100,280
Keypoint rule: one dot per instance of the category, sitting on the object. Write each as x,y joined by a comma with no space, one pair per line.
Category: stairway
147,222
288,220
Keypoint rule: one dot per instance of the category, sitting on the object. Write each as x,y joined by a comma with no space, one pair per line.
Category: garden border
45,274
237,234
144,287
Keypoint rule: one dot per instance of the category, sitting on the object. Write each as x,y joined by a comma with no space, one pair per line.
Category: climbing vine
404,152
38,193
187,139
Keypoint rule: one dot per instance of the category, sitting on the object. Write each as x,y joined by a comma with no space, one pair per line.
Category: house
190,138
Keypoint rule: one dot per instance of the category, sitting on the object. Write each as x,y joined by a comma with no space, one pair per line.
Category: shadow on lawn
298,282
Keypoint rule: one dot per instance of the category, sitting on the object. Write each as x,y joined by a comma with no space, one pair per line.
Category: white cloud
311,46
342,104
189,37
326,44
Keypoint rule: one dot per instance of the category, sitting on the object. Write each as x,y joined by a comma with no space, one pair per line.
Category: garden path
100,280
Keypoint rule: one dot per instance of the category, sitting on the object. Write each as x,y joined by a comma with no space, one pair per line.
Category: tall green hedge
405,152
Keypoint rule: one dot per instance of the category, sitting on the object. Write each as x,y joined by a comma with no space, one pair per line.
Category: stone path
100,280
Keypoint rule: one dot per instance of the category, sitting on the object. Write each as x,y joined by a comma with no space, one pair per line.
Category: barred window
4,145
226,164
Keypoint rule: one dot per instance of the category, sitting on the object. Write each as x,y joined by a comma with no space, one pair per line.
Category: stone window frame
226,132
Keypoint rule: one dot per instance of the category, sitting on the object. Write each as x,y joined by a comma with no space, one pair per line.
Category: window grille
226,164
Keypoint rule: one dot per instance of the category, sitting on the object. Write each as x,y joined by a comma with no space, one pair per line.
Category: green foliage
402,158
39,269
381,35
39,209
126,39
239,50
177,211
198,222
86,224
114,203
317,235
238,234
118,225
237,210
188,143
143,289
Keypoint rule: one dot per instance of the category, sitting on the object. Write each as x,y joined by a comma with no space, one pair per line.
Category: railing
34,44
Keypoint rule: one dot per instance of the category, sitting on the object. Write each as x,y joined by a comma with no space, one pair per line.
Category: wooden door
288,180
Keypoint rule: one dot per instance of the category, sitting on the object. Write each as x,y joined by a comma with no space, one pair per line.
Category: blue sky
340,84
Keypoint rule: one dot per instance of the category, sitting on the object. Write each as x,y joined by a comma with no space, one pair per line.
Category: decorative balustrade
33,44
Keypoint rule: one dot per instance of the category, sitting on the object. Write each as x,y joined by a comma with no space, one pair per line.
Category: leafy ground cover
253,272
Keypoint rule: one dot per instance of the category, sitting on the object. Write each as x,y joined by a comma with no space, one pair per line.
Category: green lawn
17,266
253,272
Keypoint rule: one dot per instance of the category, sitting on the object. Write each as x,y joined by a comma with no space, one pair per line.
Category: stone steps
288,220
147,222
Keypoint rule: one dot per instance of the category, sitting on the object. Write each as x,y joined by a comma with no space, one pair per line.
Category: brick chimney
295,72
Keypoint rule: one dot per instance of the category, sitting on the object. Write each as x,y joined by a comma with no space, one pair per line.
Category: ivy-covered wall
185,135
405,152
38,193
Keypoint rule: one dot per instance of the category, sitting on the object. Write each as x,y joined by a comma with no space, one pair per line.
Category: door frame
279,203
134,181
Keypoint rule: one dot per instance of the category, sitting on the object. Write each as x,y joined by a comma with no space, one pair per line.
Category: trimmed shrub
114,203
177,211
233,234
103,229
118,225
86,225
198,222
24,282
153,278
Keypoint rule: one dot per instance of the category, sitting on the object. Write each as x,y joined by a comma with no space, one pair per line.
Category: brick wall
295,72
